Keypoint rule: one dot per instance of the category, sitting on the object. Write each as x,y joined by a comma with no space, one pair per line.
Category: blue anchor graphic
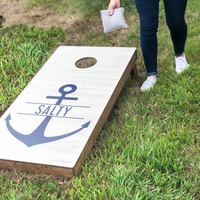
37,136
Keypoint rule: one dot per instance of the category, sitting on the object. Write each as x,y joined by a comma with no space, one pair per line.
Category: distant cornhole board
54,122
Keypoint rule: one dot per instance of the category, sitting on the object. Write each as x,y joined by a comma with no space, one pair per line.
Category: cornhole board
54,122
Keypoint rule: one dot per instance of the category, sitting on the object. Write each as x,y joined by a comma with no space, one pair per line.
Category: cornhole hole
54,122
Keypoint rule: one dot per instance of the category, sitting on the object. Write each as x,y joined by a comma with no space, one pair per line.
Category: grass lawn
149,148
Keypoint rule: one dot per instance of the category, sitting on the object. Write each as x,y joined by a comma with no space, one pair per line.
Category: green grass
149,148
90,8
28,189
23,51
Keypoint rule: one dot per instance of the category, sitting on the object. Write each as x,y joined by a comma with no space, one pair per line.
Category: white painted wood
95,85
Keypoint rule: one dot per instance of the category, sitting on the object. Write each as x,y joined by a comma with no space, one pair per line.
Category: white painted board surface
52,119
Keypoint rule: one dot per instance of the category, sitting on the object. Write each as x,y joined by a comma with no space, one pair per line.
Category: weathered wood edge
36,168
131,66
134,71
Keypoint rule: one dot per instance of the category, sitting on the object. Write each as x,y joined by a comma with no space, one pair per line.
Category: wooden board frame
70,172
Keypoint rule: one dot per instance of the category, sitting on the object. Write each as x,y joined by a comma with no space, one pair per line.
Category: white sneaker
148,84
181,64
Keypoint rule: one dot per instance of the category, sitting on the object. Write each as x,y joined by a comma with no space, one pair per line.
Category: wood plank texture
54,122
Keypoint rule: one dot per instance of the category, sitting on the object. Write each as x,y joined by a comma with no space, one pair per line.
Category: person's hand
113,4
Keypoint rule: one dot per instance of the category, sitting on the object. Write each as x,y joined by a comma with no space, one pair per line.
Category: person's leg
148,12
175,17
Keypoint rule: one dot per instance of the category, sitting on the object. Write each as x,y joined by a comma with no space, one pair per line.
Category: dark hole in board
86,62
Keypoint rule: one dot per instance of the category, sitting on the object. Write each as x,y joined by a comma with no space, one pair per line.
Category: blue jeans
175,17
